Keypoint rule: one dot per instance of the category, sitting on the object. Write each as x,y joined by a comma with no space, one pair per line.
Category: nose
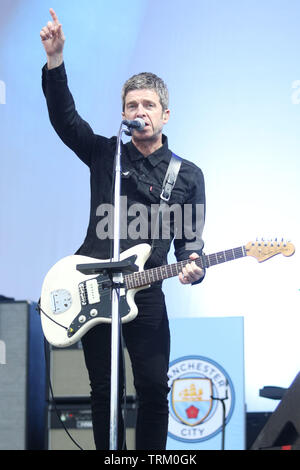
140,111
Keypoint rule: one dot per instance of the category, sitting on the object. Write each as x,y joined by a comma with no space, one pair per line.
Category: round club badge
198,387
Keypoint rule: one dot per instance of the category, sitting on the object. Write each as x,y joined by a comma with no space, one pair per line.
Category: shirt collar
155,158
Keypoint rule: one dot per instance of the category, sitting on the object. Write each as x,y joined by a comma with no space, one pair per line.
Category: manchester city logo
198,386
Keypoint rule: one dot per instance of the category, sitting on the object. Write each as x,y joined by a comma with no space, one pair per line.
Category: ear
166,116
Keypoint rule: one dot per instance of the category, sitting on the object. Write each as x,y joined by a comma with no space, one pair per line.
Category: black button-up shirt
141,184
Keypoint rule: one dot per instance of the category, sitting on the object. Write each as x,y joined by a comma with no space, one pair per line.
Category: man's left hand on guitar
191,272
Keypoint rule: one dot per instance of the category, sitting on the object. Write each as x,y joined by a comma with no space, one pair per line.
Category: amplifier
69,376
22,377
78,422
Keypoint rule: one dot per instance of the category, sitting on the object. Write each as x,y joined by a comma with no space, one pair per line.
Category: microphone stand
222,400
117,281
115,318
115,270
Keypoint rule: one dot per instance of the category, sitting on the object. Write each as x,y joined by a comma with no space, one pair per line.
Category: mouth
147,125
144,130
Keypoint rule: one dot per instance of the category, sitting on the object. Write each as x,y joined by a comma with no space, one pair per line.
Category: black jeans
147,338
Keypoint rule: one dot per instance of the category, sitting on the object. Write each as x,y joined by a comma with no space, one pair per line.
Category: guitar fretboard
149,276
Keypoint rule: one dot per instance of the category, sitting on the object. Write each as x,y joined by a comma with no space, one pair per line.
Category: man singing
145,160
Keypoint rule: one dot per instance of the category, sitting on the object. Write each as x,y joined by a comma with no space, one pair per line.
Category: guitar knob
94,312
82,319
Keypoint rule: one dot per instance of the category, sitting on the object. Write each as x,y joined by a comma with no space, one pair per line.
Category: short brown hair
146,80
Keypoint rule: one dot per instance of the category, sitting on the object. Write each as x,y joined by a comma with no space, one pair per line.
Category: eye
131,106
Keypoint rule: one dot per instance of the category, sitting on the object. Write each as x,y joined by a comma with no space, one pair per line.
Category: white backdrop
233,72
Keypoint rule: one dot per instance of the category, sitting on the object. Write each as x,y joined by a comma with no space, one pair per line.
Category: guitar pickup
92,290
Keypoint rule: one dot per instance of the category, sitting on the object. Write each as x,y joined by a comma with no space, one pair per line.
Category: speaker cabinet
283,427
71,405
69,376
78,422
22,377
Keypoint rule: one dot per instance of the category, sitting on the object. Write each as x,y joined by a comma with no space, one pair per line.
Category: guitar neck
149,276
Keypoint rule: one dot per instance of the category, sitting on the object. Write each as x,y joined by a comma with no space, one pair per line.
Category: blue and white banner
206,379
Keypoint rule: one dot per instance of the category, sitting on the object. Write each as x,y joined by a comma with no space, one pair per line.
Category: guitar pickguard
95,298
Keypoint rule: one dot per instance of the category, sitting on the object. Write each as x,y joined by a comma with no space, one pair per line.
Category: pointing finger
54,16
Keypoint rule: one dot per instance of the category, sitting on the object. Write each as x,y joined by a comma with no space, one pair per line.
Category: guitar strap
167,187
170,178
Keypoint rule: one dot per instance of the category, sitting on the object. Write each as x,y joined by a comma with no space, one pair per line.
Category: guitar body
72,303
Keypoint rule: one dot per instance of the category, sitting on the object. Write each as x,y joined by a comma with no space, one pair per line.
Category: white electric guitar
72,302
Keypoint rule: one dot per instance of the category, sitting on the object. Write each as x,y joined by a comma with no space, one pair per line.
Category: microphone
137,124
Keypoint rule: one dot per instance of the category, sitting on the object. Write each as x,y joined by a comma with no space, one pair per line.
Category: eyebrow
144,101
131,102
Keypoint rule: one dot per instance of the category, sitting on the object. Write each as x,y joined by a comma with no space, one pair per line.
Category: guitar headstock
263,250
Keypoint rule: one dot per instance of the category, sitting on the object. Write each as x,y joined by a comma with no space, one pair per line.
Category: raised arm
53,40
71,128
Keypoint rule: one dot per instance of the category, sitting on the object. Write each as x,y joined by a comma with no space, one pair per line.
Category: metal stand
115,319
117,280
115,269
222,400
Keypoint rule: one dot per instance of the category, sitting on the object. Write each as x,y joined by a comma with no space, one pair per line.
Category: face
145,104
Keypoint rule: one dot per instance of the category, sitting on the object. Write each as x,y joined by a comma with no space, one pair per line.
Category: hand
191,272
53,38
